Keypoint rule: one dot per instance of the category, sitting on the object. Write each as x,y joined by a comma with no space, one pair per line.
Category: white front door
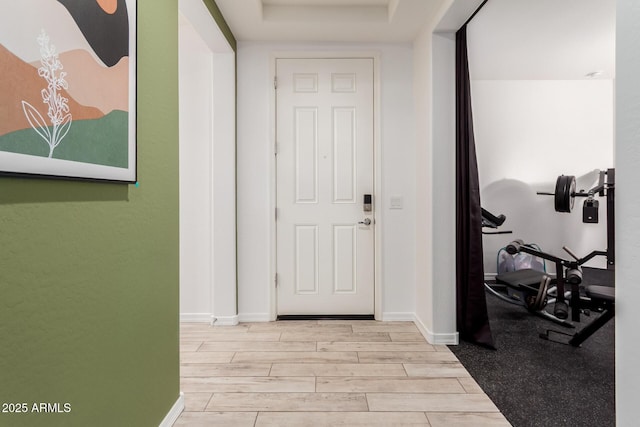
325,238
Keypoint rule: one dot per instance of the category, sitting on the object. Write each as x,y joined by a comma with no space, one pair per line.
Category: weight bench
602,298
529,288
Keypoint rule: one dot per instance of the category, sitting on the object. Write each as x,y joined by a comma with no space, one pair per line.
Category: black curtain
472,317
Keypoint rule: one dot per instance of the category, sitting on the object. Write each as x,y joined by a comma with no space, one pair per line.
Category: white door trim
377,168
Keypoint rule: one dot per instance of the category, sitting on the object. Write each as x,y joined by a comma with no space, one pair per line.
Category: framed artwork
68,89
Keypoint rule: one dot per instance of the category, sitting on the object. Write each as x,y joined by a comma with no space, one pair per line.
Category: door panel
324,126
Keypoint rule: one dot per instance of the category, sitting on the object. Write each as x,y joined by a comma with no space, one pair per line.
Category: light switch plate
396,202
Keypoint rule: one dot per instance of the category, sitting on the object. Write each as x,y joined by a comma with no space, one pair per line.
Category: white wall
425,302
207,169
225,308
444,186
528,132
434,97
196,139
398,179
627,212
256,185
255,152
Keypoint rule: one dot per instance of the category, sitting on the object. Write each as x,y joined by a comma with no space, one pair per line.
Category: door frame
377,168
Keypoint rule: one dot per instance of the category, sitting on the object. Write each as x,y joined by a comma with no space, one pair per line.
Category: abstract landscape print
68,88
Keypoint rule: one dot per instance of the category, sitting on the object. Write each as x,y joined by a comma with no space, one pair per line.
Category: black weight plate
557,203
559,199
565,193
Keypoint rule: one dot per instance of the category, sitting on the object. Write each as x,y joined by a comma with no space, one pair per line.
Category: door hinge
276,280
275,82
275,148
276,214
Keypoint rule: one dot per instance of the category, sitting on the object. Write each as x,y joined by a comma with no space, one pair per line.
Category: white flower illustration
58,107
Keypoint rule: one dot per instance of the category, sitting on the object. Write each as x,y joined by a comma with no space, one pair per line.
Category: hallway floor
325,373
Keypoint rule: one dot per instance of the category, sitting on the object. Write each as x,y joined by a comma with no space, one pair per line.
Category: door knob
366,221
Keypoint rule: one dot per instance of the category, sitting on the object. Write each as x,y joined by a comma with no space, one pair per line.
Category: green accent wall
89,280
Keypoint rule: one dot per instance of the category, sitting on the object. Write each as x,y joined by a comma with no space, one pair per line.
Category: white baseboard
196,317
209,319
451,338
174,413
490,276
397,317
224,320
254,317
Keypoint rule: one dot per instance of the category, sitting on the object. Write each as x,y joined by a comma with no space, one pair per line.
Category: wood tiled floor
325,373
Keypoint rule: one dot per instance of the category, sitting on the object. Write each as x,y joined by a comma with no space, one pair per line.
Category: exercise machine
530,288
597,298
535,289
564,200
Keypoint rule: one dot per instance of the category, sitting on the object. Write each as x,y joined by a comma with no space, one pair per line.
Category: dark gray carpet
541,383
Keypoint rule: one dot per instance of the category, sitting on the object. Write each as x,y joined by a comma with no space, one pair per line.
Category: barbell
565,193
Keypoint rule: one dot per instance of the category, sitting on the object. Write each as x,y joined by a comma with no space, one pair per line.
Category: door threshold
285,317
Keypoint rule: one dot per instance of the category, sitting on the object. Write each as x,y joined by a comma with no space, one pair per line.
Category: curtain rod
475,13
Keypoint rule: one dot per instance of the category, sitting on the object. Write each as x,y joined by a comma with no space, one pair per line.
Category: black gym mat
541,383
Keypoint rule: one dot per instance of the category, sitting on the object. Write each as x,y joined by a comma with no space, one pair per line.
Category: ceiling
327,20
543,40
508,39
